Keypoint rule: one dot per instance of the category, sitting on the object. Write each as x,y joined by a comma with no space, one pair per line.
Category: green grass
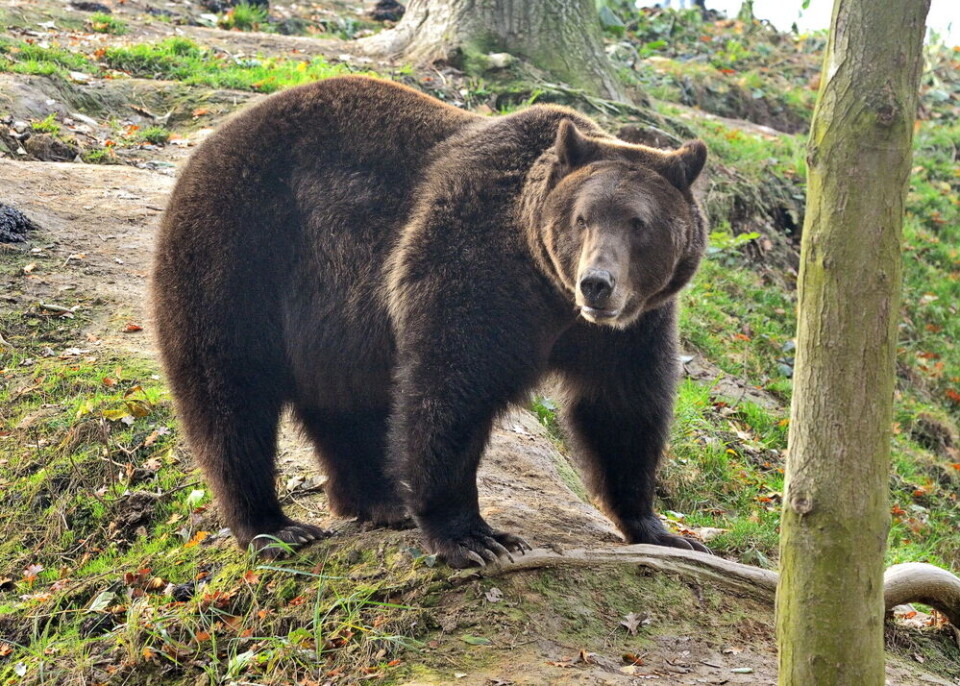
156,135
99,156
24,58
179,59
48,124
106,23
110,556
244,17
175,59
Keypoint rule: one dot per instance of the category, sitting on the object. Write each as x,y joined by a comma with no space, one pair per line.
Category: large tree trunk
561,37
835,517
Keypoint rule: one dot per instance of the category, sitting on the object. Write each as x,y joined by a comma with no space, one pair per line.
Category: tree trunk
835,516
561,37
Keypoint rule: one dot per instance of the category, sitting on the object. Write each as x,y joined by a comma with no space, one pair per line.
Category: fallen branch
912,582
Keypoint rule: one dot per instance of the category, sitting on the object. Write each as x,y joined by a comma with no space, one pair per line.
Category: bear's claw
650,530
675,541
479,549
280,543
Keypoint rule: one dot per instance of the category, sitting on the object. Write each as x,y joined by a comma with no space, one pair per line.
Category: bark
836,515
561,37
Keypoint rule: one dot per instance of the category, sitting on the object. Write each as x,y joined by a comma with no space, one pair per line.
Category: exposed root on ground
912,582
918,582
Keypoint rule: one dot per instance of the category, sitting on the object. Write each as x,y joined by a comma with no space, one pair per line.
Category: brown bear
397,271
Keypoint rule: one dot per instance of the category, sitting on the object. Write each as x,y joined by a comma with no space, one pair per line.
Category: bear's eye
637,224
581,223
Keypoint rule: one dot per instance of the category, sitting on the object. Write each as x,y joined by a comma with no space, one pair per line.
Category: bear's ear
683,166
573,148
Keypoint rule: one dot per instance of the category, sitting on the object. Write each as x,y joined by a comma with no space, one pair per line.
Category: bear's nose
596,285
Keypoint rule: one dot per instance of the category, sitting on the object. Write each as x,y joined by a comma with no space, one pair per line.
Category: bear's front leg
618,404
449,389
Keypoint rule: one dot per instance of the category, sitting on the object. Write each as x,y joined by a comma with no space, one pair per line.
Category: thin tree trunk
561,37
835,517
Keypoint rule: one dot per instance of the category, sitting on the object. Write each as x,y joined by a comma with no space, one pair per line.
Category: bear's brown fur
397,271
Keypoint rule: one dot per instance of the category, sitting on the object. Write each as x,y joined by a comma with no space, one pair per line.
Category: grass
110,556
157,135
244,17
174,59
101,22
48,124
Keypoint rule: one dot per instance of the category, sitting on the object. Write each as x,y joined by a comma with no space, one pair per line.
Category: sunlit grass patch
244,17
175,59
180,59
101,22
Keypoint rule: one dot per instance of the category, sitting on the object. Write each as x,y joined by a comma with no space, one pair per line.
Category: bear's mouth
596,315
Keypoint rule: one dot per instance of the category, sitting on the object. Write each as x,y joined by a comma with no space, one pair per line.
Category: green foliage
546,411
179,59
48,124
106,23
99,156
244,17
26,58
175,59
154,134
106,518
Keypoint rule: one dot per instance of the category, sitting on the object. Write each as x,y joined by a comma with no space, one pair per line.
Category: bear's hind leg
235,445
351,448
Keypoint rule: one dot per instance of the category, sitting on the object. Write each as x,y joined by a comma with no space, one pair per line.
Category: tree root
903,583
917,582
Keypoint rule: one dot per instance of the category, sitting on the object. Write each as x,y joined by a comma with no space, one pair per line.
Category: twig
58,309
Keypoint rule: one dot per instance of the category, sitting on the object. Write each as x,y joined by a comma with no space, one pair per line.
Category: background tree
836,512
561,37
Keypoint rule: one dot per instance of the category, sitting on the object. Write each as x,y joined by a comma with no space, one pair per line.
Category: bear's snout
596,287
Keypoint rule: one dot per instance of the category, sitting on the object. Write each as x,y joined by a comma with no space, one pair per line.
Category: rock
292,26
14,225
48,148
223,5
387,10
500,60
86,6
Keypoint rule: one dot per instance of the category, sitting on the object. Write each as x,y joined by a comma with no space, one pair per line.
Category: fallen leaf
197,539
475,640
494,595
31,571
132,328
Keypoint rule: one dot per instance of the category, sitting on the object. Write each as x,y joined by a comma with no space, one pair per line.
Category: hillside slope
113,565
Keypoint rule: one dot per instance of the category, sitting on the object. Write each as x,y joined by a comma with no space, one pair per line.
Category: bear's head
618,226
